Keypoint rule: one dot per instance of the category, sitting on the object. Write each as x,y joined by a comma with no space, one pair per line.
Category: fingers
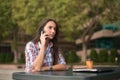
44,35
42,32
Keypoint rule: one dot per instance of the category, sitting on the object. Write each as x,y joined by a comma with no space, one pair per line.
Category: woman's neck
47,42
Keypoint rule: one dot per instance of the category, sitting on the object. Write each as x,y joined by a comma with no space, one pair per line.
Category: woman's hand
43,38
45,68
32,69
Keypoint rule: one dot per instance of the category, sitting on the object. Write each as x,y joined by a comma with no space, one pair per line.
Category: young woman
42,52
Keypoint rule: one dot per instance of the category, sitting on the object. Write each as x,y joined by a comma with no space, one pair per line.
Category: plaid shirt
32,50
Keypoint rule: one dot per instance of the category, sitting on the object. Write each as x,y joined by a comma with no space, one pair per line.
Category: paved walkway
6,70
6,74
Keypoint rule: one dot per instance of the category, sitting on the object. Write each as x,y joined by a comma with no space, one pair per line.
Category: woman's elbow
64,66
35,68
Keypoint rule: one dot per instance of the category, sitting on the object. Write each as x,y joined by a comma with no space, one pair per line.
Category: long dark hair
54,40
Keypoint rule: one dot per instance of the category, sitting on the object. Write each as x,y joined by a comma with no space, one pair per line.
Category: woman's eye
51,27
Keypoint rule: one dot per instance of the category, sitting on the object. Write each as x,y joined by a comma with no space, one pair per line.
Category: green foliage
22,58
71,14
93,55
6,23
27,14
103,55
2,58
113,6
6,57
71,57
113,56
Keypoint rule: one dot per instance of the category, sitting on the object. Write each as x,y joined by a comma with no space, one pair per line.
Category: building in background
105,38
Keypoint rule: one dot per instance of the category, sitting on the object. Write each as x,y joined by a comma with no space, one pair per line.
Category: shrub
93,55
22,58
71,57
103,56
6,57
2,57
113,55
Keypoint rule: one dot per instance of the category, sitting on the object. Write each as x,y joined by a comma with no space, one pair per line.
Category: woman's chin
51,38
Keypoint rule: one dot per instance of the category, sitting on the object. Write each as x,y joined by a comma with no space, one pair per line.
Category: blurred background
89,29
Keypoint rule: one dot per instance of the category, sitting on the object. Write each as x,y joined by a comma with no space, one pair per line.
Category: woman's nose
53,31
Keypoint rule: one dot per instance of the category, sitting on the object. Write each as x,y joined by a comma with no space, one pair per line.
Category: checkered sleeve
29,55
61,59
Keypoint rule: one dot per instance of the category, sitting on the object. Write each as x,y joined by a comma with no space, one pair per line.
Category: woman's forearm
59,67
54,67
39,60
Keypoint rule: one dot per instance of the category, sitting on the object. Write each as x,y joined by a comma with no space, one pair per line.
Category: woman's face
50,29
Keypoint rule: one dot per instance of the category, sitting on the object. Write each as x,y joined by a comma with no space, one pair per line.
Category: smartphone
43,32
40,31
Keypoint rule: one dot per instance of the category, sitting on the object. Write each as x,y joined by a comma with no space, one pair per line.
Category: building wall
108,39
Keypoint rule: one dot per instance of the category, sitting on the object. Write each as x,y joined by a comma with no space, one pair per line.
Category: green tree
114,10
6,24
99,12
27,14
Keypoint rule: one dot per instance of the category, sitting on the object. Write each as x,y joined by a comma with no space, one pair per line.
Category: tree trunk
14,44
90,26
14,50
15,56
84,52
